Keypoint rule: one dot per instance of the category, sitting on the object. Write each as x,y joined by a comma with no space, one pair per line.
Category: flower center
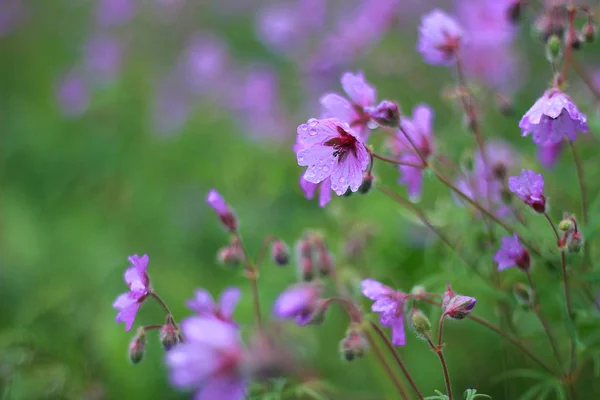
342,144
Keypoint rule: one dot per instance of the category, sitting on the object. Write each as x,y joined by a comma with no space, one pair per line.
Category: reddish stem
440,354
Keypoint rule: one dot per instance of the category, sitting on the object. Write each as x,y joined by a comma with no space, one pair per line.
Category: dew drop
313,122
325,168
312,132
342,179
303,127
310,174
300,158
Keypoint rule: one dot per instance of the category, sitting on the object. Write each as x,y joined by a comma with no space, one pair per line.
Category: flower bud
280,253
553,48
385,113
419,291
137,346
566,225
514,11
322,257
448,295
523,294
354,345
421,324
367,183
589,32
459,306
306,266
230,255
169,336
575,242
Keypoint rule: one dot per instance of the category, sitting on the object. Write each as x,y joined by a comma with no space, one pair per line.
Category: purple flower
389,304
226,215
499,155
103,55
385,113
72,94
139,288
310,188
351,111
529,186
334,151
114,12
419,130
549,154
12,13
301,302
440,37
210,360
552,117
204,63
204,305
512,254
488,54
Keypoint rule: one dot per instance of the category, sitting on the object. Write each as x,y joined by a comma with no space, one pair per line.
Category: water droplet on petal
325,168
342,179
312,132
313,122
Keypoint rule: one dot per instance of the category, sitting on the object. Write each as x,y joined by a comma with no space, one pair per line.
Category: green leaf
532,392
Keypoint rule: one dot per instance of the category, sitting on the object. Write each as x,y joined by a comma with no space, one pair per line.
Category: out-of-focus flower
352,111
333,150
137,279
301,302
529,187
257,103
204,305
419,129
512,254
12,13
114,12
169,336
549,154
280,252
172,107
440,37
500,156
73,94
209,360
488,56
204,64
385,113
225,213
552,117
389,304
355,33
137,346
102,57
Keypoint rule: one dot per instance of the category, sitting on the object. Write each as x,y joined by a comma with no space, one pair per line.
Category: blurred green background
80,193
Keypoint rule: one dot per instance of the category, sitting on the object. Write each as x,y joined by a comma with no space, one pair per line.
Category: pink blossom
204,305
512,254
332,150
139,288
440,37
389,303
361,94
529,187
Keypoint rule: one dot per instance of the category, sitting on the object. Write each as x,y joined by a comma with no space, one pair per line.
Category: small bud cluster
571,239
313,256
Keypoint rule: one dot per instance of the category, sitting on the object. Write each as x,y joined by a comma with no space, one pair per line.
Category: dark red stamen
342,144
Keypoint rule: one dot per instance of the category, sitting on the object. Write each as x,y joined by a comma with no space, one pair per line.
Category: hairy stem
399,361
438,350
386,366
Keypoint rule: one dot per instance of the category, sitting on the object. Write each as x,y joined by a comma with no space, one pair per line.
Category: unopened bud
322,256
137,346
419,291
575,242
421,324
367,183
514,11
306,266
354,345
459,306
280,253
574,39
589,32
553,48
230,255
229,221
523,294
448,295
385,113
169,336
566,225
